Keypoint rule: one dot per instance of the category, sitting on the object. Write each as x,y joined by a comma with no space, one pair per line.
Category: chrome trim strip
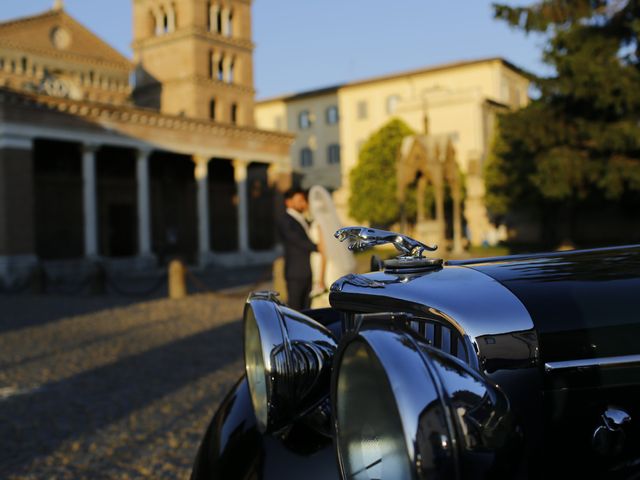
592,363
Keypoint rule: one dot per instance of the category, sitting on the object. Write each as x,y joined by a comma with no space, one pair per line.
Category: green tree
373,180
581,137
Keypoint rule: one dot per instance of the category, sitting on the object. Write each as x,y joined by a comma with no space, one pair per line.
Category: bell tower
195,58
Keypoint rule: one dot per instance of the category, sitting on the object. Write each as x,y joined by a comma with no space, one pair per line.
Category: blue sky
305,44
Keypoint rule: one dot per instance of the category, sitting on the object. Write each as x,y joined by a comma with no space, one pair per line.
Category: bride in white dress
332,260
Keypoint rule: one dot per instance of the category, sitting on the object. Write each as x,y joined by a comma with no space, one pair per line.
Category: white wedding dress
339,260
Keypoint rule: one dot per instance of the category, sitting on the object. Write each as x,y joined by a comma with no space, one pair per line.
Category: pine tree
581,137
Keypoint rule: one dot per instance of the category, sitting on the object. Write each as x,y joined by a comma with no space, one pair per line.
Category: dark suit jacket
297,248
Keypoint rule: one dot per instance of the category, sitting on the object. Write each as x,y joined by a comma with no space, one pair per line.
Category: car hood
578,304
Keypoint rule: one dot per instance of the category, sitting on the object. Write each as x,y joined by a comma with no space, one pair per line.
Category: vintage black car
513,367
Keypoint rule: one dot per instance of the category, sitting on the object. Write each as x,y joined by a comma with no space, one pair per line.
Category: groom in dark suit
293,230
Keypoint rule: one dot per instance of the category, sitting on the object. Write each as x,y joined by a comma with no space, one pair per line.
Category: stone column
226,77
225,22
90,200
144,203
231,71
421,213
171,19
240,176
17,224
159,17
202,180
457,216
213,18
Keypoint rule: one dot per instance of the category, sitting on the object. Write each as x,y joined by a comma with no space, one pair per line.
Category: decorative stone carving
61,38
431,159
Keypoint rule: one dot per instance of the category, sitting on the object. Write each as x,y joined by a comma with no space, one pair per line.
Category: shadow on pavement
20,311
36,423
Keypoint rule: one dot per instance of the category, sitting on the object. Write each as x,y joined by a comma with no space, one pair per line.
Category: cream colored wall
281,114
453,99
317,138
271,115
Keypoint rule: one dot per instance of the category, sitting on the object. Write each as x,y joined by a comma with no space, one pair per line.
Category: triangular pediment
57,34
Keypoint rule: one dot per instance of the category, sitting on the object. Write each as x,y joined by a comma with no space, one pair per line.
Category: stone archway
431,159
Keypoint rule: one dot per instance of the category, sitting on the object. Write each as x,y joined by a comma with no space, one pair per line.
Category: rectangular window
362,110
392,103
333,154
332,115
304,120
306,157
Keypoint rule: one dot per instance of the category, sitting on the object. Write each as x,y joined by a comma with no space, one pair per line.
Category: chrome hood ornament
362,238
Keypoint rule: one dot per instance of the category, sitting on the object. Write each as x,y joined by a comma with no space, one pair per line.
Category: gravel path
123,392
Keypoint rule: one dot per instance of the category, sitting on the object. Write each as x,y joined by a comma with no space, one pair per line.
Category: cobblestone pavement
121,392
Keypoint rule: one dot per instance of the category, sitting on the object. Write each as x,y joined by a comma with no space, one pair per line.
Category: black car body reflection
512,367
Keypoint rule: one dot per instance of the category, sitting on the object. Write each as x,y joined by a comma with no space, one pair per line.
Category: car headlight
370,440
287,361
404,410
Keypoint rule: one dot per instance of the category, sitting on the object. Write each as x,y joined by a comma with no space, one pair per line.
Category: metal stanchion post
38,280
177,281
97,280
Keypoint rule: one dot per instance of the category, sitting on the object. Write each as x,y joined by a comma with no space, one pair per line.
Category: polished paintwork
493,320
456,423
516,314
584,304
233,448
296,352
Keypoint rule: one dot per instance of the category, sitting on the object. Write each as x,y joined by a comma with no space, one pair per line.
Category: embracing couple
313,259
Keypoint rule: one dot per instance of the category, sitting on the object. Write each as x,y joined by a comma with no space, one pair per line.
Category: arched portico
431,159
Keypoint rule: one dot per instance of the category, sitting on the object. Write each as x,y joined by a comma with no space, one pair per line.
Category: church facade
96,167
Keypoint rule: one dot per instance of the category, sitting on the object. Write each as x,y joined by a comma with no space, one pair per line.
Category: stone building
459,99
95,167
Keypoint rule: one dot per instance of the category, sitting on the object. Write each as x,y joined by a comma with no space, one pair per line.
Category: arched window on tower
219,20
212,65
221,68
212,109
209,17
165,22
234,113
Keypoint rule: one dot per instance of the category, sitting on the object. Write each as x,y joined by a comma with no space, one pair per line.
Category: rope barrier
197,283
15,288
99,278
157,285
56,286
202,287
